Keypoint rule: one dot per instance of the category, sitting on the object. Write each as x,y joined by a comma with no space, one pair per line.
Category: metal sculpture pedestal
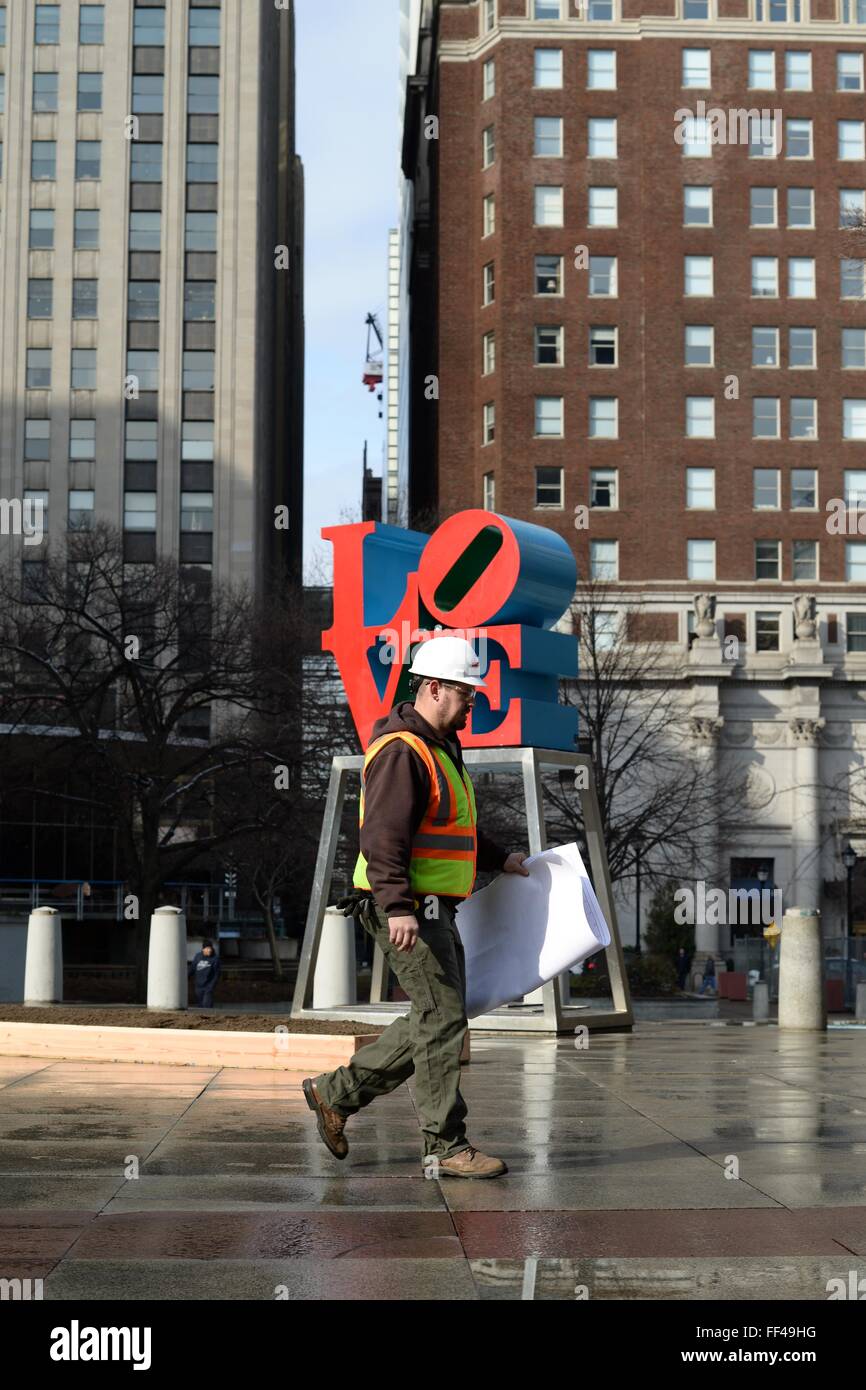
556,1014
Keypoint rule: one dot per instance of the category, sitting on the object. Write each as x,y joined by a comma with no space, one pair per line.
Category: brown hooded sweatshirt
396,794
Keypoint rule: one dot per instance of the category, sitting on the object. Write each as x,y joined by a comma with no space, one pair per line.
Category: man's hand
403,932
514,864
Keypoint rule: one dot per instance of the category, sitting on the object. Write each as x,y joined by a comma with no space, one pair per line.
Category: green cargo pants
427,1041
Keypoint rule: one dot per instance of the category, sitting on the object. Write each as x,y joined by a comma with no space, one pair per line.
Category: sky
348,138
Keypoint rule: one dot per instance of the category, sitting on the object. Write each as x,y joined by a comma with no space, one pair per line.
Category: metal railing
101,898
844,959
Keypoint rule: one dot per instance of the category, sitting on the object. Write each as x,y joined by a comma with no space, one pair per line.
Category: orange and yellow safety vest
445,847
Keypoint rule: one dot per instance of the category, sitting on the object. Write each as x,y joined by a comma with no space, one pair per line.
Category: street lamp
849,859
763,874
638,846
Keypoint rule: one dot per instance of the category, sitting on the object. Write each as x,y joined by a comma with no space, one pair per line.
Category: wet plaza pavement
683,1161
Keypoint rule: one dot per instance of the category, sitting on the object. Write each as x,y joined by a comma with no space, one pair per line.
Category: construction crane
374,371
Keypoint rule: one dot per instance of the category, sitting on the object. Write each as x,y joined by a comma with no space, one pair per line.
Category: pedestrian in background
205,969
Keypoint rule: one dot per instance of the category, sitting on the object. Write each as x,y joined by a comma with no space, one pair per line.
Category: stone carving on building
767,734
760,787
705,611
804,732
738,734
706,730
804,616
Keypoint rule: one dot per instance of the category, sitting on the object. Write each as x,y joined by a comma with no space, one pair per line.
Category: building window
602,209
765,277
603,488
547,9
700,559
765,347
602,346
604,560
143,300
548,275
762,207
854,348
851,279
488,147
199,301
41,229
697,206
489,492
601,137
767,564
855,626
778,11
196,511
488,423
762,137
548,345
548,487
88,159
696,140
548,416
38,374
141,441
43,159
548,205
149,27
86,230
852,207
601,69
139,511
851,140
40,299
700,489
801,207
80,510
605,628
85,299
489,292
849,72
202,162
198,371
488,15
145,162
37,440
548,137
204,28
798,72
143,367
696,67
548,67
854,419
45,91
489,79
855,562
698,276
603,417
804,489
47,28
602,276
201,231
765,483
90,91
798,139
145,231
91,24
82,439
803,418
804,560
600,10
488,353
801,277
699,345
700,417
766,632
488,211
801,347
83,369
765,417
148,94
762,69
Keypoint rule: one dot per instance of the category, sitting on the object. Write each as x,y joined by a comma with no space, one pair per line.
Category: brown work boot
330,1123
469,1163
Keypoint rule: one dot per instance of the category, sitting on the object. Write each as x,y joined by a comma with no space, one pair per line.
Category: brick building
638,276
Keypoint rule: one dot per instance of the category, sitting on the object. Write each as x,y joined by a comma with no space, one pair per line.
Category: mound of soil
95,1017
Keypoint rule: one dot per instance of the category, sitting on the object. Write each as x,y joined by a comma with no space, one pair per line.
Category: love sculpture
499,582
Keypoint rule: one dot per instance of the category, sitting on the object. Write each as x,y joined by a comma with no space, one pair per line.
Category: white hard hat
448,659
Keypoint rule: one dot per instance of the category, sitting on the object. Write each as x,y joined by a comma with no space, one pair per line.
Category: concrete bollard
43,964
801,971
166,960
336,979
760,1001
860,1003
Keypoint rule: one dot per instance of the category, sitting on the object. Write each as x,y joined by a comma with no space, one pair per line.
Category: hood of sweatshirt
405,716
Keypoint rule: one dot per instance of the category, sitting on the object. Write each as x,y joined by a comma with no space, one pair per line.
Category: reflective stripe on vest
445,847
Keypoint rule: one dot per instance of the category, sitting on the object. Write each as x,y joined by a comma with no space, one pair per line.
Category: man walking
420,848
